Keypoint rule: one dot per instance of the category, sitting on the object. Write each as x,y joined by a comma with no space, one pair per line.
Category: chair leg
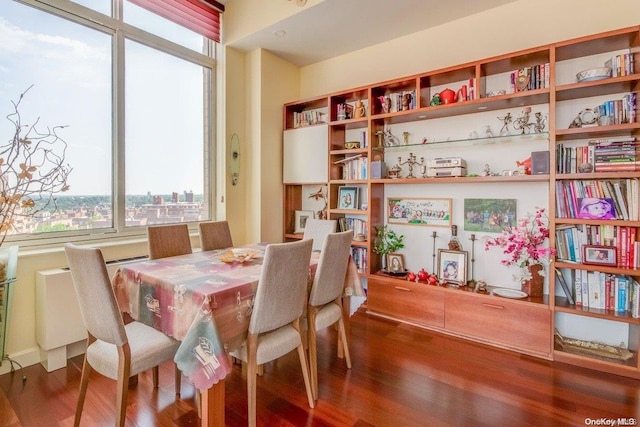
345,345
313,352
178,380
124,371
84,382
155,376
305,375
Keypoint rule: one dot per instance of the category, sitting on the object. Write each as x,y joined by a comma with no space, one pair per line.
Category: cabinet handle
498,307
402,288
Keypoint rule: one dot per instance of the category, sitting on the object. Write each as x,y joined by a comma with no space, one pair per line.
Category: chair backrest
215,235
317,229
96,298
168,240
328,283
282,289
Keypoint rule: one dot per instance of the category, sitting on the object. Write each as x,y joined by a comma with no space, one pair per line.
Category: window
137,106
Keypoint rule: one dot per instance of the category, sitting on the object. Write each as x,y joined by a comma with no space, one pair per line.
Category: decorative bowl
593,74
350,145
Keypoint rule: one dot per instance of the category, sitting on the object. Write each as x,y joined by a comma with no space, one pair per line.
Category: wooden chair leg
345,345
155,371
84,382
178,380
313,354
305,375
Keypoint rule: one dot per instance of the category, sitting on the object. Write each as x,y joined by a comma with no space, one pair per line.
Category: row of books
403,100
354,167
344,111
604,291
360,258
308,118
621,65
538,76
359,226
572,239
601,155
618,111
623,193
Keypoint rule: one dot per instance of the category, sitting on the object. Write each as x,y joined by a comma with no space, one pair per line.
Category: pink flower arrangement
524,244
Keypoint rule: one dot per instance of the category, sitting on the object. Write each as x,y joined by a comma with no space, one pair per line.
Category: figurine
359,110
487,170
522,122
526,165
488,132
436,100
505,124
540,123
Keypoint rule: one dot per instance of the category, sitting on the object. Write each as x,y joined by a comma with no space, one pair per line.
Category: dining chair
317,229
274,327
325,298
168,240
215,235
115,350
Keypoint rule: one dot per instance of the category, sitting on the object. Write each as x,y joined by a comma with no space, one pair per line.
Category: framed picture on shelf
599,255
489,215
596,208
348,197
452,266
301,218
419,211
395,263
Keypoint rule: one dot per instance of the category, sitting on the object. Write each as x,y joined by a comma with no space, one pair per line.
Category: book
565,287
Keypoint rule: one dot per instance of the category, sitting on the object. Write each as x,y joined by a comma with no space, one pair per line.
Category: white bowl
594,74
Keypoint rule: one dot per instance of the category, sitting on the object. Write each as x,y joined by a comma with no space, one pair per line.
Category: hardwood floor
401,376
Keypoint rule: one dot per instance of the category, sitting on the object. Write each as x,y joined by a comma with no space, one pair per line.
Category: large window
136,103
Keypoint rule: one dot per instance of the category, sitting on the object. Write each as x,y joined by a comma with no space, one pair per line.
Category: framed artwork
395,263
595,208
599,255
419,211
348,197
489,215
301,220
452,266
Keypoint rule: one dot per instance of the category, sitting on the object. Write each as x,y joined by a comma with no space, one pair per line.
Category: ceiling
336,27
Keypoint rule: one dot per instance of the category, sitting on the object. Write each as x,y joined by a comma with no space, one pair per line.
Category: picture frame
490,215
599,255
596,208
434,212
348,197
395,263
452,266
301,218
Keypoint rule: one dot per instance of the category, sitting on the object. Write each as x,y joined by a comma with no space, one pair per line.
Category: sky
69,67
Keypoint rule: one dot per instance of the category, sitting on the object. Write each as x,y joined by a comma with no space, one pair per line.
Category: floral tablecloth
201,301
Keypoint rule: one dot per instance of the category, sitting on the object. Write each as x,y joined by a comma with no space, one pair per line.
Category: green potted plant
386,241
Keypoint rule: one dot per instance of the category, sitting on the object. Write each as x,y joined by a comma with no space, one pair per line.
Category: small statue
487,170
540,123
436,100
522,122
359,110
505,124
525,165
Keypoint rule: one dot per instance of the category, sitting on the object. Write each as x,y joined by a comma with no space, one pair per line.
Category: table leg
212,402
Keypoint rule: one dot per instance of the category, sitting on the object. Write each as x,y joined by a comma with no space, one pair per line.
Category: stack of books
615,154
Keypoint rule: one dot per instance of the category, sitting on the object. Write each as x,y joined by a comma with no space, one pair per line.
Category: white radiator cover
60,332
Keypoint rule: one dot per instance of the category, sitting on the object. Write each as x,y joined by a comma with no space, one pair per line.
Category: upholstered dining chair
115,350
325,299
317,229
168,240
215,235
274,327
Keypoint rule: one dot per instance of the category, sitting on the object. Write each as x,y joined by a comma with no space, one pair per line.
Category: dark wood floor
401,376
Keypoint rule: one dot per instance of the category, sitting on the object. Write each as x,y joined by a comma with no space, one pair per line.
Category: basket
592,349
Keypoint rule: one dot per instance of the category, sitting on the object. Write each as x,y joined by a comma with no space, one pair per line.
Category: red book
623,241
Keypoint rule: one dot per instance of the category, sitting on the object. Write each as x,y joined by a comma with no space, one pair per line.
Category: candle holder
411,162
433,265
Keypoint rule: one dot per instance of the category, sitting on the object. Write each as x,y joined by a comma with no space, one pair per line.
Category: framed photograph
452,266
599,255
348,197
419,211
489,215
395,264
595,208
301,220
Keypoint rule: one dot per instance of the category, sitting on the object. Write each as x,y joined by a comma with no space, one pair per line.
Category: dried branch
32,170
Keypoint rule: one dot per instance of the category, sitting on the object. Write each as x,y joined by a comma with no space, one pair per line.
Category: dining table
204,300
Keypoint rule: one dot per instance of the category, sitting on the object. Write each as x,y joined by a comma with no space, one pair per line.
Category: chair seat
272,345
149,348
328,315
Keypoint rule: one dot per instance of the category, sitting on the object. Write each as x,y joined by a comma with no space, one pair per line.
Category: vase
534,287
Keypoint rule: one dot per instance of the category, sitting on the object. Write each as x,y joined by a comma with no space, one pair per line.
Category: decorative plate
509,293
593,74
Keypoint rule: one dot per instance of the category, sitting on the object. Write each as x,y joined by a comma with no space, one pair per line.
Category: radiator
60,332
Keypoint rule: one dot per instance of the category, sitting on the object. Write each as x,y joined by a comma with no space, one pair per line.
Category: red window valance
203,17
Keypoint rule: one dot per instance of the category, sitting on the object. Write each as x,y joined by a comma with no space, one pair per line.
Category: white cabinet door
305,155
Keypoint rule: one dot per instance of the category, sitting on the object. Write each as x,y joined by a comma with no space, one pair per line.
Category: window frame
119,31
